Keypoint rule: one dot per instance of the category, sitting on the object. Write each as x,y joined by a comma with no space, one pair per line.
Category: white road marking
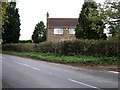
27,65
113,72
81,68
108,82
84,84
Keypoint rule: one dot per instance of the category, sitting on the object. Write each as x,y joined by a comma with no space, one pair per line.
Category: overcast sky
33,11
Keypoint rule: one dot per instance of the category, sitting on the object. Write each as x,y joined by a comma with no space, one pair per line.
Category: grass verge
78,59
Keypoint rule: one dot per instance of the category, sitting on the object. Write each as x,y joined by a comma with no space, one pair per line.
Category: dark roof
62,22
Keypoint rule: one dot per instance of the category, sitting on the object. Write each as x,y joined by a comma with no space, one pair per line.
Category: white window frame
58,31
71,31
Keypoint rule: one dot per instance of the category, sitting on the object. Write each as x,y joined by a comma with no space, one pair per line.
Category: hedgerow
70,48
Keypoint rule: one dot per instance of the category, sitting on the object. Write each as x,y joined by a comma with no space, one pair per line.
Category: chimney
47,26
47,15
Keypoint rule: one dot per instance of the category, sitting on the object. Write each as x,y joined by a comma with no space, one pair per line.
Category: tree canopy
89,27
11,24
110,14
39,34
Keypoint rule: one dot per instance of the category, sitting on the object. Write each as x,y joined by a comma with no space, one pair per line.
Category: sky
33,11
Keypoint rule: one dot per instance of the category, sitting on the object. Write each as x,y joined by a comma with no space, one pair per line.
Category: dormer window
58,31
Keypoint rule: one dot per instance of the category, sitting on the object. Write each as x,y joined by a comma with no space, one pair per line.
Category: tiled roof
62,22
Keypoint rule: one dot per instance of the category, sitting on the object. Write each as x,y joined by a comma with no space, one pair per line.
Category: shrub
28,47
104,48
45,47
18,47
25,41
69,48
116,37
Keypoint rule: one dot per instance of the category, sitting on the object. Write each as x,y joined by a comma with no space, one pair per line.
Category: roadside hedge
27,47
25,41
69,48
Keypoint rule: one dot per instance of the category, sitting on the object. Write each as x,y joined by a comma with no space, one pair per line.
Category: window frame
57,31
71,31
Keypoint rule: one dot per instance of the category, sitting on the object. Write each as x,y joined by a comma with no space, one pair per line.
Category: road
20,72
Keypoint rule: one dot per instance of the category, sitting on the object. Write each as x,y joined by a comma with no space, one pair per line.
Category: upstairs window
71,31
58,31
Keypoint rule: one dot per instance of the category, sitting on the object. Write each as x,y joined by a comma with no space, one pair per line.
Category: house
59,29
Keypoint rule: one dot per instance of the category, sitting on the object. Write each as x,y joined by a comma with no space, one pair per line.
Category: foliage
11,25
39,34
3,6
79,59
4,16
110,14
70,48
116,37
26,47
45,47
25,41
89,27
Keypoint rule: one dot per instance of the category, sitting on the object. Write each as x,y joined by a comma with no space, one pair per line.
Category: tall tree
11,24
4,5
110,14
39,34
88,27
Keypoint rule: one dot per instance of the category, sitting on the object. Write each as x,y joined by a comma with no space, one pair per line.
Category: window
58,31
71,31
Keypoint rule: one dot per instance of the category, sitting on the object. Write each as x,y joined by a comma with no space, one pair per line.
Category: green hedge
25,41
28,47
69,48
45,47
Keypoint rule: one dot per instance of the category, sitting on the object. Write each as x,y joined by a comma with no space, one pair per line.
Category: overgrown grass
78,59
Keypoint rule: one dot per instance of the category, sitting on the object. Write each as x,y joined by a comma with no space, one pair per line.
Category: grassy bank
78,59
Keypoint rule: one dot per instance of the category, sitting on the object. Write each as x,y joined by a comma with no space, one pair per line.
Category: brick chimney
47,16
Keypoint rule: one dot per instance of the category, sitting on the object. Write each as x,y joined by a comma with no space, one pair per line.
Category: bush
104,48
45,47
25,41
19,47
116,37
70,48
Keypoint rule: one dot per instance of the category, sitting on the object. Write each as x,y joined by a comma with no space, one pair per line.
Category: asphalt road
20,72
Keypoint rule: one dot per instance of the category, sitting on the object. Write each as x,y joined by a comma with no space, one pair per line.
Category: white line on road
27,65
113,72
84,84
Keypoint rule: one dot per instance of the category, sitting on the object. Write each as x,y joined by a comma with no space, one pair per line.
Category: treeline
25,41
94,17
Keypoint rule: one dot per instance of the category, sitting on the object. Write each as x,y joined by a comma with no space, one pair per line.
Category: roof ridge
62,18
53,22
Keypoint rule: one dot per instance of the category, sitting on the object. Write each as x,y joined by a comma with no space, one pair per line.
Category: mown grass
78,59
